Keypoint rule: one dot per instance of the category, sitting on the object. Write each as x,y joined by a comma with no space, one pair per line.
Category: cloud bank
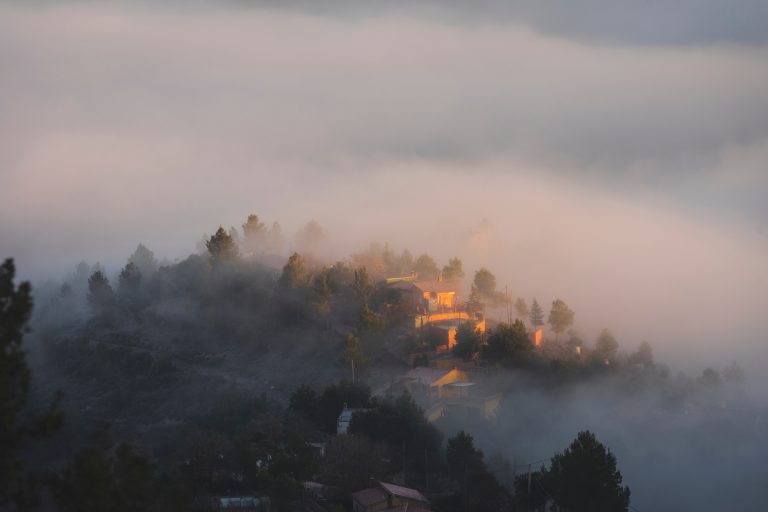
621,167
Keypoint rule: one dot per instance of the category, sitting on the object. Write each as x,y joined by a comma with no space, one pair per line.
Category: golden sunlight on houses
537,337
434,303
432,382
442,391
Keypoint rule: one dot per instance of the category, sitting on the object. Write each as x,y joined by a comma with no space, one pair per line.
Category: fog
627,179
617,162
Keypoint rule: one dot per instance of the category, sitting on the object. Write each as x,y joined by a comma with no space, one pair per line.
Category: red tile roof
403,492
427,286
368,497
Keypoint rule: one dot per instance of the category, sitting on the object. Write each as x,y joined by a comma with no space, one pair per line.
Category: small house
386,497
433,381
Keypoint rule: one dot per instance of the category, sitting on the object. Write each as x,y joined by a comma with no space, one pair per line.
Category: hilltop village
240,379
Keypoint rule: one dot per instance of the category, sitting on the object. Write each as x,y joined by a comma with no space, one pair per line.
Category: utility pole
466,491
403,462
426,470
506,295
353,370
529,481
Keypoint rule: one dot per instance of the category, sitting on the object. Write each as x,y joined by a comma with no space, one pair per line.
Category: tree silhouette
507,342
426,267
485,282
643,356
560,317
222,246
468,340
322,291
15,310
537,315
453,270
294,273
606,345
254,233
479,489
584,478
362,285
521,308
130,277
100,293
16,487
144,260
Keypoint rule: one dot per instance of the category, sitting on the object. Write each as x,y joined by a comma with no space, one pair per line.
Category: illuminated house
385,497
430,301
458,399
537,337
427,296
433,382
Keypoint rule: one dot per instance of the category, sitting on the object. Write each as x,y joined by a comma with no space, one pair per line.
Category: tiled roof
403,492
406,508
426,375
435,286
368,497
426,286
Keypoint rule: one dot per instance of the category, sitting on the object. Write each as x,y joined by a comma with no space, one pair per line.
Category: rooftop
403,492
426,375
368,497
426,286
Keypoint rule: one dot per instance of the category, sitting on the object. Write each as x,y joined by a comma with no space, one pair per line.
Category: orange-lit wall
537,337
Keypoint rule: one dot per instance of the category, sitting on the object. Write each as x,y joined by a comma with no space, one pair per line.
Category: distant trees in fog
521,308
560,317
453,270
426,267
100,293
606,345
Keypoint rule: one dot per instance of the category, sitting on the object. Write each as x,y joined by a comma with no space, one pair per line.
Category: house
537,337
444,331
240,504
433,381
427,296
385,497
458,399
345,418
432,301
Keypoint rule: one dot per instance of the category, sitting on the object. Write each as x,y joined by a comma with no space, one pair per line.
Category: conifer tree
537,315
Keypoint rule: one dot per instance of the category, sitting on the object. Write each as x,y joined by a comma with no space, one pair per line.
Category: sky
611,154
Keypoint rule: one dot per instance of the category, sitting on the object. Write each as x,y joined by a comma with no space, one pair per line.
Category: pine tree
584,478
537,315
16,425
254,234
294,272
222,246
100,293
